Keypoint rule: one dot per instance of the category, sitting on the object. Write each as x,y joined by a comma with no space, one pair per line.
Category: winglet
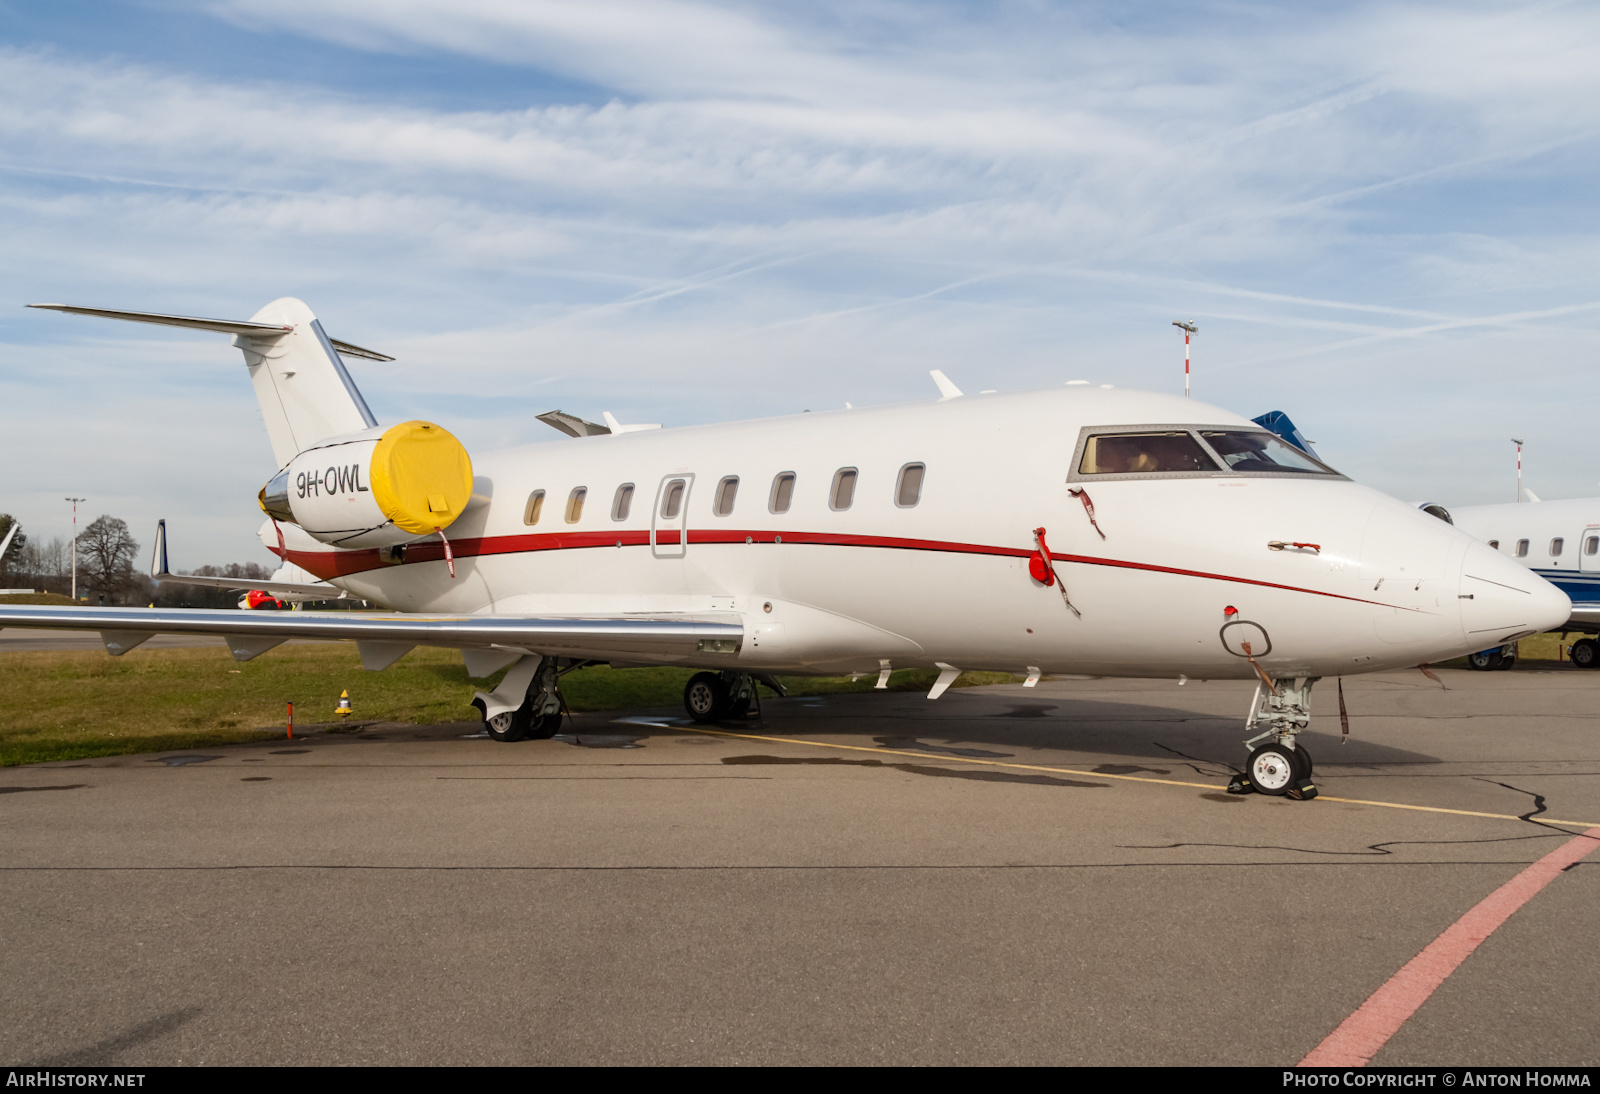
15,524
947,390
158,556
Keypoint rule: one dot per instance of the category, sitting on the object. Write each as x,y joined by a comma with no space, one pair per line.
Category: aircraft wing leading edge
664,638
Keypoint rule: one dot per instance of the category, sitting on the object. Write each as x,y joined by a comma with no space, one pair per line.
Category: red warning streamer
1049,566
450,559
1088,506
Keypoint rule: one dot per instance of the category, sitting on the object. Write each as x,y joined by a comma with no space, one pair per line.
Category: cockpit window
1250,451
1143,453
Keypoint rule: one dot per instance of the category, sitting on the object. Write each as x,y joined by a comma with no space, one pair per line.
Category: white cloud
767,208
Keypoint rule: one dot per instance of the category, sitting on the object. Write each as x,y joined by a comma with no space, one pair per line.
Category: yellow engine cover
421,477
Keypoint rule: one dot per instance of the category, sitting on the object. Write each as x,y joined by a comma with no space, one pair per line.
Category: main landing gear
1278,765
713,696
527,704
1500,657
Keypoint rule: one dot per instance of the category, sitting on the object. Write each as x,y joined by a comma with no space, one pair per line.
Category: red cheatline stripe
328,564
1360,1036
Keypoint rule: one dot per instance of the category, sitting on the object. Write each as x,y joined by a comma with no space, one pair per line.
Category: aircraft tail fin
1278,422
302,386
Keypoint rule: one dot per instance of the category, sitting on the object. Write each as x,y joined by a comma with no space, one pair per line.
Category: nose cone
1502,600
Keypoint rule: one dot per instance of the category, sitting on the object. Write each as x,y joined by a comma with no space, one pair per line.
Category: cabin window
1495,544
1522,548
672,499
908,490
727,490
1591,545
1144,453
782,492
535,506
844,488
623,502
1257,452
575,503
1556,545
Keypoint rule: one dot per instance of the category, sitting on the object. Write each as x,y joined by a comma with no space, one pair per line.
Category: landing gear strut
1278,765
713,696
526,704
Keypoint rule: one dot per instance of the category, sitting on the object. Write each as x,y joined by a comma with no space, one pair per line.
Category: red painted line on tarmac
1360,1036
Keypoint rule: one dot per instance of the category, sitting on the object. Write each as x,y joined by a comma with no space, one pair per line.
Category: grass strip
75,704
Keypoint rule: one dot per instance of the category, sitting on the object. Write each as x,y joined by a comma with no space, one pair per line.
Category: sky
1382,216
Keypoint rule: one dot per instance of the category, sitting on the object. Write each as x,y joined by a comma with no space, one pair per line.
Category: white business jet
1559,541
1077,530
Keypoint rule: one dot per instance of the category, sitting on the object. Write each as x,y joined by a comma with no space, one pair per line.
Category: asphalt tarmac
891,881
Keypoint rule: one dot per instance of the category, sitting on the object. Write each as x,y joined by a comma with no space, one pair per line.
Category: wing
385,637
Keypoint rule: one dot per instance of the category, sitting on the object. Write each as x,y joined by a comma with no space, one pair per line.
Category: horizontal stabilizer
238,327
572,425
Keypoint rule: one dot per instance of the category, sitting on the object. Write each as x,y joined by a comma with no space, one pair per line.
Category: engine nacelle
376,488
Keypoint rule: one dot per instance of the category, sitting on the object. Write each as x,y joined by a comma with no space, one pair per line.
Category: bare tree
105,556
11,561
45,565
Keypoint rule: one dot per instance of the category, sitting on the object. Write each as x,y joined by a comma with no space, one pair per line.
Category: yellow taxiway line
1095,774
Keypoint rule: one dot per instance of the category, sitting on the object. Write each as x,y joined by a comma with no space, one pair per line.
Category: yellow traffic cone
344,710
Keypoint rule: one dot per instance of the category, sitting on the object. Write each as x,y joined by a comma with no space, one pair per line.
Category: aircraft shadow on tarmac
1045,730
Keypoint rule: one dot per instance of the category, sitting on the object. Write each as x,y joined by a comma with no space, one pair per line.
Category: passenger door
669,519
1589,551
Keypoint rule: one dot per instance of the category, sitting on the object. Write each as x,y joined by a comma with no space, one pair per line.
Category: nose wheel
1273,769
1278,765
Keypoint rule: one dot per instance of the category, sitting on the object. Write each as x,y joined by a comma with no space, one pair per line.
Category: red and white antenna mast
1518,442
1188,329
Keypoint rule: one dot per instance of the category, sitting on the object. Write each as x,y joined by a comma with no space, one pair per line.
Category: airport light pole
1518,442
75,502
1188,329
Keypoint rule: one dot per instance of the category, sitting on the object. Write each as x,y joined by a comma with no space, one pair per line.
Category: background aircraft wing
160,572
661,639
245,584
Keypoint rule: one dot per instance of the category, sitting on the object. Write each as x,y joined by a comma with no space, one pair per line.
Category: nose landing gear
1278,765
